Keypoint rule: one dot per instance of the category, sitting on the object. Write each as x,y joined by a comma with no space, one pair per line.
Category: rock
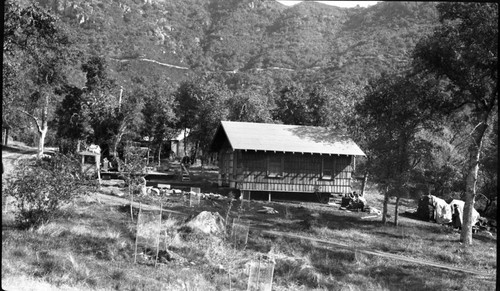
164,186
207,222
177,191
373,210
268,210
112,190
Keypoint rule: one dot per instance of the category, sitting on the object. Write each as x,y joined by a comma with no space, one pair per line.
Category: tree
158,111
202,104
250,106
291,105
316,105
463,50
488,178
37,49
87,114
395,109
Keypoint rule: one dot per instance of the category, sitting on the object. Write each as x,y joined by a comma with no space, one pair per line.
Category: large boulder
112,190
208,223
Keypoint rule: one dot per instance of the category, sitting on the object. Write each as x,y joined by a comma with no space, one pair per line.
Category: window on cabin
327,168
275,166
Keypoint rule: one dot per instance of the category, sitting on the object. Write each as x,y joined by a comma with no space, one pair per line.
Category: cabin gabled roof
283,138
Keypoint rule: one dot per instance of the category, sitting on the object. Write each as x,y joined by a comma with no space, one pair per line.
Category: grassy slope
92,245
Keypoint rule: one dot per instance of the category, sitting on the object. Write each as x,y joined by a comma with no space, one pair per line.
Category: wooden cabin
277,158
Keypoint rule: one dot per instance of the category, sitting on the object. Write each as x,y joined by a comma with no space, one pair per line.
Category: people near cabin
113,163
186,161
346,200
143,187
105,164
361,201
355,202
456,221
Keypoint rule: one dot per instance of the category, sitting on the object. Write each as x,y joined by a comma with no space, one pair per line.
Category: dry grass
92,247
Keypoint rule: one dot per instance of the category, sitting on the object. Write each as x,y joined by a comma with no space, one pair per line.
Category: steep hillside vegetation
309,41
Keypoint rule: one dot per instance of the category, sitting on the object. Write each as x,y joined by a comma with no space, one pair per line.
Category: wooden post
159,235
137,233
159,154
83,161
131,199
98,168
396,211
269,197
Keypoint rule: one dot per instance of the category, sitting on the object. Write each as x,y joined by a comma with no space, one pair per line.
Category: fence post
137,232
159,235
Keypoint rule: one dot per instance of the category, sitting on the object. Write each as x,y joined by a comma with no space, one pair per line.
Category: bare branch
37,122
476,127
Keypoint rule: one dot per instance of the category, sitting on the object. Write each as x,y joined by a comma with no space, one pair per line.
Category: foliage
250,106
89,113
350,45
488,177
42,187
38,50
132,167
158,111
463,51
316,105
395,109
201,107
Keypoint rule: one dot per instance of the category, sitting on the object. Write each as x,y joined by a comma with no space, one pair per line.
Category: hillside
309,41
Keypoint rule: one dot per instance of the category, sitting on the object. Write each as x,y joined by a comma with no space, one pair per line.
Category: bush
42,187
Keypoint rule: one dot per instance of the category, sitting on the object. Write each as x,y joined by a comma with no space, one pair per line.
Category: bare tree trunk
41,142
386,202
43,128
185,142
470,187
118,138
6,136
131,200
159,154
396,212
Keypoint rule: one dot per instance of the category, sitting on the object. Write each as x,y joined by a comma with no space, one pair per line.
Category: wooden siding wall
301,172
225,167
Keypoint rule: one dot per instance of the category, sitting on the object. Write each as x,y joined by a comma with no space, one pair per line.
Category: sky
335,3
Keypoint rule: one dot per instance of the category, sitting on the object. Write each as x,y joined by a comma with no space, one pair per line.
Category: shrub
42,187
